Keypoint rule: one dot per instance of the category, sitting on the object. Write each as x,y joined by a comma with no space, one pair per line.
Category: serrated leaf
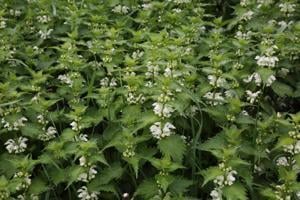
31,130
210,174
173,146
180,185
216,142
147,189
37,186
235,192
106,175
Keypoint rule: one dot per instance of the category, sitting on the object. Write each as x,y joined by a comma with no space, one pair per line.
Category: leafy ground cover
141,99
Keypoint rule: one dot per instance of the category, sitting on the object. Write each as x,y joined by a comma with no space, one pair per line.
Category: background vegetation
141,99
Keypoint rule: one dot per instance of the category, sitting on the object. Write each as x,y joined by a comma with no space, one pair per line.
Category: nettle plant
140,99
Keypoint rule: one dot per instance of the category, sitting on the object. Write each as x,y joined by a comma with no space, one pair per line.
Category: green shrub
141,99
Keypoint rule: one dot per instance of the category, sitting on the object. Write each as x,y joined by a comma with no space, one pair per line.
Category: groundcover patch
149,99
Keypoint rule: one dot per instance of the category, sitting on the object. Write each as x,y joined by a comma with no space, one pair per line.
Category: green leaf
37,186
57,175
173,146
180,185
282,89
210,174
104,188
216,142
106,175
134,162
235,192
147,189
31,130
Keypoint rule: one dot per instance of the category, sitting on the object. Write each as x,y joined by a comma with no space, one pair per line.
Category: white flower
125,195
270,80
15,13
113,82
282,161
244,3
214,98
243,36
216,194
137,54
287,7
19,123
293,149
257,169
168,72
65,79
51,131
120,9
159,132
45,34
74,126
298,194
177,10
105,82
83,137
252,95
266,61
289,148
87,177
26,180
92,172
230,179
18,146
133,98
219,180
82,161
167,130
247,16
50,134
2,24
297,147
255,76
162,110
83,177
217,81
43,19
40,119
147,6
152,70
244,112
83,194
156,130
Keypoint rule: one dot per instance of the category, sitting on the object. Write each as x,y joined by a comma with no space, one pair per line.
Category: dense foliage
149,99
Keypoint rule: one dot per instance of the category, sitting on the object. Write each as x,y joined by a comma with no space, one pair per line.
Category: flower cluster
266,61
255,76
293,148
65,79
252,96
84,194
15,125
120,9
223,180
48,133
214,98
25,179
16,146
159,130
